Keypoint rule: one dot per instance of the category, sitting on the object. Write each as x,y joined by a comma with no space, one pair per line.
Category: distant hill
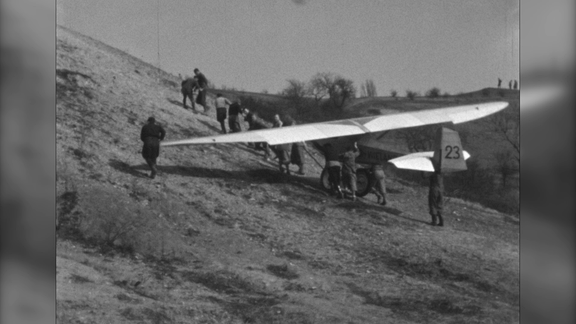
220,236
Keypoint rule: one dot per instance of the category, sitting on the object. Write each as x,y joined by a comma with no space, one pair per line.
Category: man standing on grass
234,112
151,135
349,168
378,184
187,90
202,85
221,110
334,168
436,198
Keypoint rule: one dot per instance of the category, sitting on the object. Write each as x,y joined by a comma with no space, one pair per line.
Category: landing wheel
362,182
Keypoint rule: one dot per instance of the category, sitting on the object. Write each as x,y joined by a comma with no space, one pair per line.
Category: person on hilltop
221,110
187,90
234,112
151,134
202,86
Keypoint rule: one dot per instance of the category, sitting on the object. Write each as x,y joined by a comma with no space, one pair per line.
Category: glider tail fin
448,152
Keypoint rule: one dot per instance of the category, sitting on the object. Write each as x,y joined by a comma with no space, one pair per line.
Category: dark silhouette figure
436,198
202,85
378,183
221,110
187,90
151,135
234,112
334,168
499,82
515,84
510,84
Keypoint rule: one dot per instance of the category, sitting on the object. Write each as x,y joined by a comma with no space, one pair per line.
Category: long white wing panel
354,126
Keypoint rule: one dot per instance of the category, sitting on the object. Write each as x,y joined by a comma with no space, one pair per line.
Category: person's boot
441,221
340,195
433,223
383,203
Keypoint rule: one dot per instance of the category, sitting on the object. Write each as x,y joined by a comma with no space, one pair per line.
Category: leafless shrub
112,220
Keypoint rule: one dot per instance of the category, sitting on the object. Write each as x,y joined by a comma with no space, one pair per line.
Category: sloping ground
221,237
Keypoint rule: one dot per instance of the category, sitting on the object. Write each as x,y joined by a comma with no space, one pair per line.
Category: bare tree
368,89
342,90
319,85
335,87
295,91
507,127
505,165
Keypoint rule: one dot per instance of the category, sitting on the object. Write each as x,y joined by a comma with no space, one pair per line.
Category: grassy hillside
221,237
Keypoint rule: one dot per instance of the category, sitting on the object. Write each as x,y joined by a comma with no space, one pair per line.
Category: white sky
456,45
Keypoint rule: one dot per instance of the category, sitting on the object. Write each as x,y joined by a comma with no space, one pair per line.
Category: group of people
342,170
341,167
198,83
511,84
291,153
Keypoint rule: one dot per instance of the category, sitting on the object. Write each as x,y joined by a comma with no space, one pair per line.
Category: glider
367,132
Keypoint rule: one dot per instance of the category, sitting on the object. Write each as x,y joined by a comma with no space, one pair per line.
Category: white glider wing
356,126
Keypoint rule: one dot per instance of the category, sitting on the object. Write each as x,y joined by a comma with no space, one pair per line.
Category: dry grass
220,237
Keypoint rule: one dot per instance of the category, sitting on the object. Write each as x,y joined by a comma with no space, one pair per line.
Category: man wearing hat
151,135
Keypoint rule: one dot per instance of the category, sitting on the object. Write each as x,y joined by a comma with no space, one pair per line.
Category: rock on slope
221,237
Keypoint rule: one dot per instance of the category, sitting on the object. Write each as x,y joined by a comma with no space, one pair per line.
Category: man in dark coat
436,198
234,112
151,135
349,168
187,90
202,85
334,167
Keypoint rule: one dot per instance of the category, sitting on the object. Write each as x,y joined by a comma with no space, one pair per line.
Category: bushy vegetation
394,94
411,94
433,93
110,220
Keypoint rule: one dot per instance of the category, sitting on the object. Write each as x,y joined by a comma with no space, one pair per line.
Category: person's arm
142,134
227,101
162,132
